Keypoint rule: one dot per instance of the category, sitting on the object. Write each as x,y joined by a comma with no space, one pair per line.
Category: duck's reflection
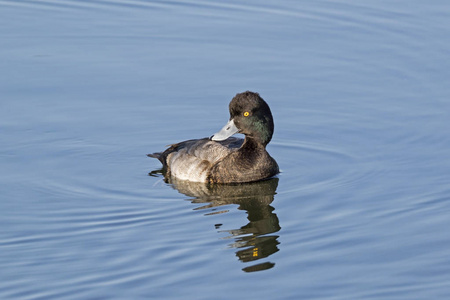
256,239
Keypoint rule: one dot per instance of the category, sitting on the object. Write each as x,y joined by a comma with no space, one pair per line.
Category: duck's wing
191,160
213,151
162,156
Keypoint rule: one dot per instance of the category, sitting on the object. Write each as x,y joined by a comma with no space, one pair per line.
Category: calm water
361,101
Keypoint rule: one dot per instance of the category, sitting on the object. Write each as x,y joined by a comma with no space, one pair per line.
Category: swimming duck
225,159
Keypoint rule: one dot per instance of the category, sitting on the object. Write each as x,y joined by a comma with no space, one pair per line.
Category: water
360,99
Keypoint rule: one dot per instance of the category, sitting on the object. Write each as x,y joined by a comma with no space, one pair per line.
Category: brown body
224,159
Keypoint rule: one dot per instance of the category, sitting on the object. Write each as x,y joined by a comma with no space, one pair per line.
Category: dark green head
249,115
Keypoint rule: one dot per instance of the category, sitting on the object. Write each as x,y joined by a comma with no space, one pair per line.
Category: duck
221,158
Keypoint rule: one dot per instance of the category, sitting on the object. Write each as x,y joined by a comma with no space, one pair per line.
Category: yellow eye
246,114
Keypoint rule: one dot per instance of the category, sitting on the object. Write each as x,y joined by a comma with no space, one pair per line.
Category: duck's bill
227,131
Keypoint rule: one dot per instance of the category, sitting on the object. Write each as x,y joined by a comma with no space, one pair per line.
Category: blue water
361,104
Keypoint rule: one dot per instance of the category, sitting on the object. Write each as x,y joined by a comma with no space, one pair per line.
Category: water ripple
71,5
322,166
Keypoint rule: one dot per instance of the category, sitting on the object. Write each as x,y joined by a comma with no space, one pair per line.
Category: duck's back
193,159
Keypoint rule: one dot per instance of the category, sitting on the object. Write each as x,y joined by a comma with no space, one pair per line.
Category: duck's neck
251,145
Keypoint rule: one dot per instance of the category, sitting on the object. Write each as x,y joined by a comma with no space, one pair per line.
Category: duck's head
249,115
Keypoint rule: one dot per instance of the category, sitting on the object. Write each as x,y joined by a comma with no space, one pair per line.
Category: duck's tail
155,155
159,155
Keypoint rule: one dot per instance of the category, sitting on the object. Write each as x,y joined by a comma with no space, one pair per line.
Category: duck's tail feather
160,156
155,155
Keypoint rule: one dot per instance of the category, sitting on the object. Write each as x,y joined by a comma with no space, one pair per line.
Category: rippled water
360,99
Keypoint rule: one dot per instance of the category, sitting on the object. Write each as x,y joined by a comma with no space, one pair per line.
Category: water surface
361,106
